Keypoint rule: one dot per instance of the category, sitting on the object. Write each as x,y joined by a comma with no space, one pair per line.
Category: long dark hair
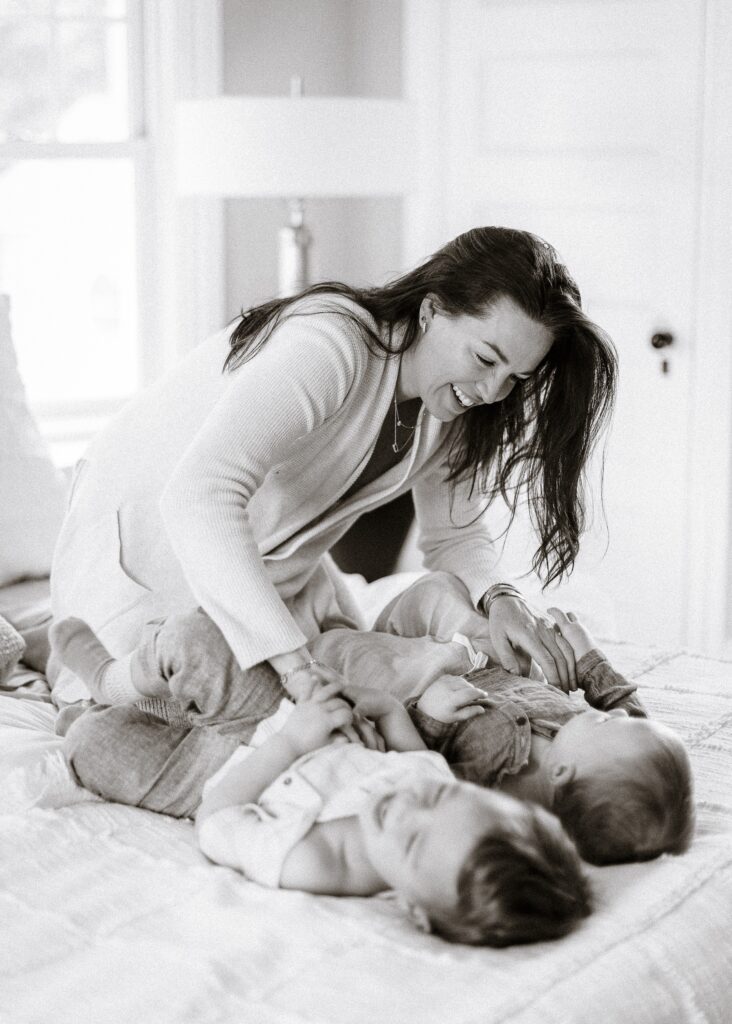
539,438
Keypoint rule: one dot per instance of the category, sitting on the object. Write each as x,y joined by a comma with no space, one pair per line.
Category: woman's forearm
290,660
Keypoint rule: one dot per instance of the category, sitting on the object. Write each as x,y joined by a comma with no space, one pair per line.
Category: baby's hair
521,883
616,818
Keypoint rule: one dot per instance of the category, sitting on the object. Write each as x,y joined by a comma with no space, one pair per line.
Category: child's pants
130,756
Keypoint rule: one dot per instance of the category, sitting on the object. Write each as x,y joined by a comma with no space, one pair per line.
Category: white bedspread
110,914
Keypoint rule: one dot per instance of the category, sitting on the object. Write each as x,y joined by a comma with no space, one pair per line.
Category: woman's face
462,361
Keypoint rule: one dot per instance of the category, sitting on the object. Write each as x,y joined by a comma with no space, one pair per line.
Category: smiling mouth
462,398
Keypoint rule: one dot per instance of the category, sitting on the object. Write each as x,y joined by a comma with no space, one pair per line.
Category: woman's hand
303,680
573,632
451,699
518,635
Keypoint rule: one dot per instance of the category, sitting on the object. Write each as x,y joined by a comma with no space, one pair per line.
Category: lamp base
294,243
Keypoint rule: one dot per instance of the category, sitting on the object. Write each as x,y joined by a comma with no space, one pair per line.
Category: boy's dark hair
615,818
520,884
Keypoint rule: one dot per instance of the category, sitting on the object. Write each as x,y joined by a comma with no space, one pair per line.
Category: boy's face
591,742
418,837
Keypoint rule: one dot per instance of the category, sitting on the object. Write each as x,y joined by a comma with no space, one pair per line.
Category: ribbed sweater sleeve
299,378
453,534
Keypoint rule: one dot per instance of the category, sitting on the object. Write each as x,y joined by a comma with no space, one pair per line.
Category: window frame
175,52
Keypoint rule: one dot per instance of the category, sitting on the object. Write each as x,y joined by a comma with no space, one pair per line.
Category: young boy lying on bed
621,785
301,807
310,810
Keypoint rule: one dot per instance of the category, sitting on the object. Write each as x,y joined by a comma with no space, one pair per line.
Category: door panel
580,121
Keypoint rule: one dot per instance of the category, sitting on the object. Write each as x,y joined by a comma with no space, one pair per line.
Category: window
90,231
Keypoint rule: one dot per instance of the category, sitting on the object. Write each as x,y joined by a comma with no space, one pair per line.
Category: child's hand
451,699
572,632
316,718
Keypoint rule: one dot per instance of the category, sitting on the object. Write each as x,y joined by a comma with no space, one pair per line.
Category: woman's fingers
544,650
562,653
508,658
559,616
568,652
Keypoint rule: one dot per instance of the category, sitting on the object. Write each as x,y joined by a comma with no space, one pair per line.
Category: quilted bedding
110,914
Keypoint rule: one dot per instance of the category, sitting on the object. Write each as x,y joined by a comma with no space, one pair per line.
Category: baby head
621,787
482,867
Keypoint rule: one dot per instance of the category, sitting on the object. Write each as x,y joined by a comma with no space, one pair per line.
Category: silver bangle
305,667
500,590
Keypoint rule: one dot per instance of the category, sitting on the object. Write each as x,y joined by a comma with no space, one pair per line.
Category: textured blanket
110,914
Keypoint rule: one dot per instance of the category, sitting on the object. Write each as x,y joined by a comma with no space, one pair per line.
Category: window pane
25,76
92,69
64,78
67,260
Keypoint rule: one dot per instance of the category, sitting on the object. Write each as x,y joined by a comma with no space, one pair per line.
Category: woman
472,374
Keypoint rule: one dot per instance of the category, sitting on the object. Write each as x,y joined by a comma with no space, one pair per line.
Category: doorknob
662,339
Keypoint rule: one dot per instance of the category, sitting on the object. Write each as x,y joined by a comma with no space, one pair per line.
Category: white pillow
32,490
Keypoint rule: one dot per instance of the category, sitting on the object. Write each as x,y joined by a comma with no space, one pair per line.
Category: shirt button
521,720
287,781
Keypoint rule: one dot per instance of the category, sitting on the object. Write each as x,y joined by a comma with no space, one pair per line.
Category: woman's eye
485,362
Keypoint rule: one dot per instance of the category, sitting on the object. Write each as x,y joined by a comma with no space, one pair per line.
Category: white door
579,120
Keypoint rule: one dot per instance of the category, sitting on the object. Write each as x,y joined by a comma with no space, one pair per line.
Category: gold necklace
396,447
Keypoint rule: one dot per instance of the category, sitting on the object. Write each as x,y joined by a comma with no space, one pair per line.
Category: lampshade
296,146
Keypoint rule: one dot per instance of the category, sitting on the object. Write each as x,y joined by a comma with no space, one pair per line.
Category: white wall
338,47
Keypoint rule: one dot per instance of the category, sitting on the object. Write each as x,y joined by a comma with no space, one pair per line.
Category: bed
111,914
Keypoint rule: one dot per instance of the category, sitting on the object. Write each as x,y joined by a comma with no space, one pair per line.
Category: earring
423,324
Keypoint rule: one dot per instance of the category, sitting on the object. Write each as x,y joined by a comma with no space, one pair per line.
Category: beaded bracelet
286,676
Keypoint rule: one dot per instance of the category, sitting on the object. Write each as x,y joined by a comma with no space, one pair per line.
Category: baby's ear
561,773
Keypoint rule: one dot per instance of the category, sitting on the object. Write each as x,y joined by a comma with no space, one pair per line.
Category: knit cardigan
223,490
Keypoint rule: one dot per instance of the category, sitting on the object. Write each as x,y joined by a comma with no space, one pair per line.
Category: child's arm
309,726
391,717
604,687
452,699
443,705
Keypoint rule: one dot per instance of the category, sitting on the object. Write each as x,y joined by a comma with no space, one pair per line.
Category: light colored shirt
336,781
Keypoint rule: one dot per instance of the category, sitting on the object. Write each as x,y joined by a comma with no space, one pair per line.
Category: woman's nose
495,390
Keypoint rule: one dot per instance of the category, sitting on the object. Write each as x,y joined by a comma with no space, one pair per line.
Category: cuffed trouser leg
127,755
